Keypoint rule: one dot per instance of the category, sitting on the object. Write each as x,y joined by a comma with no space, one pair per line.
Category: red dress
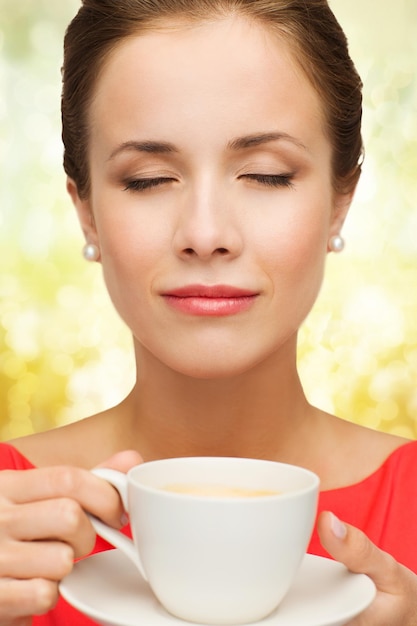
383,505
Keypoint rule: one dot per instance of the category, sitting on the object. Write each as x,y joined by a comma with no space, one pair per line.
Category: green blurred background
63,351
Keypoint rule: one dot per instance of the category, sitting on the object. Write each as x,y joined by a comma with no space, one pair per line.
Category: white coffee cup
215,557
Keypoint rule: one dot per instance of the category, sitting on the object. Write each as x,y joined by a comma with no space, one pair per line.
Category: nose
207,228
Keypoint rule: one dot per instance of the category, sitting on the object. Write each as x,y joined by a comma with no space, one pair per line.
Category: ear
341,205
84,212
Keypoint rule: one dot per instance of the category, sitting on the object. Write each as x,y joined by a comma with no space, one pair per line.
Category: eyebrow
251,141
150,147
240,143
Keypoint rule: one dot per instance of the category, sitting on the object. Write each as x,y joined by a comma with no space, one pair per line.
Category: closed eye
271,180
142,184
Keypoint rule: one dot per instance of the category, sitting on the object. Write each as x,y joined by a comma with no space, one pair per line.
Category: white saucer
108,588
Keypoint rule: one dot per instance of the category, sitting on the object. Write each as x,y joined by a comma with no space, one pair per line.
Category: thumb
351,546
395,603
122,461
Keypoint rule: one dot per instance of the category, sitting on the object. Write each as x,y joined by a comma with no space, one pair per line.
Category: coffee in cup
217,490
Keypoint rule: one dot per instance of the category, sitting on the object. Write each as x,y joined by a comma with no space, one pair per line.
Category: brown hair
308,25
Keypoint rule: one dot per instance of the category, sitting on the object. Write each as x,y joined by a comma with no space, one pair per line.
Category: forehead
231,71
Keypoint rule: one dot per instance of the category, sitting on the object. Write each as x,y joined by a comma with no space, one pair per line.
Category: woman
212,149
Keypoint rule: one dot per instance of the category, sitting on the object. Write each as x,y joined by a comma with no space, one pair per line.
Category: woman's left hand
395,603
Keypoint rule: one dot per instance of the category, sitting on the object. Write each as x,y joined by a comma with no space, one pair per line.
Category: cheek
130,240
129,268
294,257
298,245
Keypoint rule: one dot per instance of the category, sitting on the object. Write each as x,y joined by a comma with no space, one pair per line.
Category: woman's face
211,197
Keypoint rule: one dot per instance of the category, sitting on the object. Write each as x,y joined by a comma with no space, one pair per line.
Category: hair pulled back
308,26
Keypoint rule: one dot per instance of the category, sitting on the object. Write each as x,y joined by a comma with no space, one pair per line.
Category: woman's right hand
44,527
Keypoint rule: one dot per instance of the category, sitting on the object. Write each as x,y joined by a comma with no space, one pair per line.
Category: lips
210,291
210,300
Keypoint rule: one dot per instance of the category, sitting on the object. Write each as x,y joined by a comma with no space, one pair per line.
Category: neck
260,413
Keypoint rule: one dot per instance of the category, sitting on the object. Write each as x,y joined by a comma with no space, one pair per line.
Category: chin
214,373
219,368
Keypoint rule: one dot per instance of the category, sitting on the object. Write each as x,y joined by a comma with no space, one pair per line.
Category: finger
41,559
123,461
60,519
22,598
351,546
92,493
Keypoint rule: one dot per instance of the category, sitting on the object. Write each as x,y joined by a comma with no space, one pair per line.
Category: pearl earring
336,243
91,252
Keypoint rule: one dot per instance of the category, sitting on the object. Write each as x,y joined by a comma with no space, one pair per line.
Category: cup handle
113,536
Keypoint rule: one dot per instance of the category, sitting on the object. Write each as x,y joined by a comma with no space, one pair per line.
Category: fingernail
338,528
124,519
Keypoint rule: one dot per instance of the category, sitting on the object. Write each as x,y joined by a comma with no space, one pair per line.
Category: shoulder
11,458
382,504
80,444
381,451
401,465
83,443
358,464
353,452
382,448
